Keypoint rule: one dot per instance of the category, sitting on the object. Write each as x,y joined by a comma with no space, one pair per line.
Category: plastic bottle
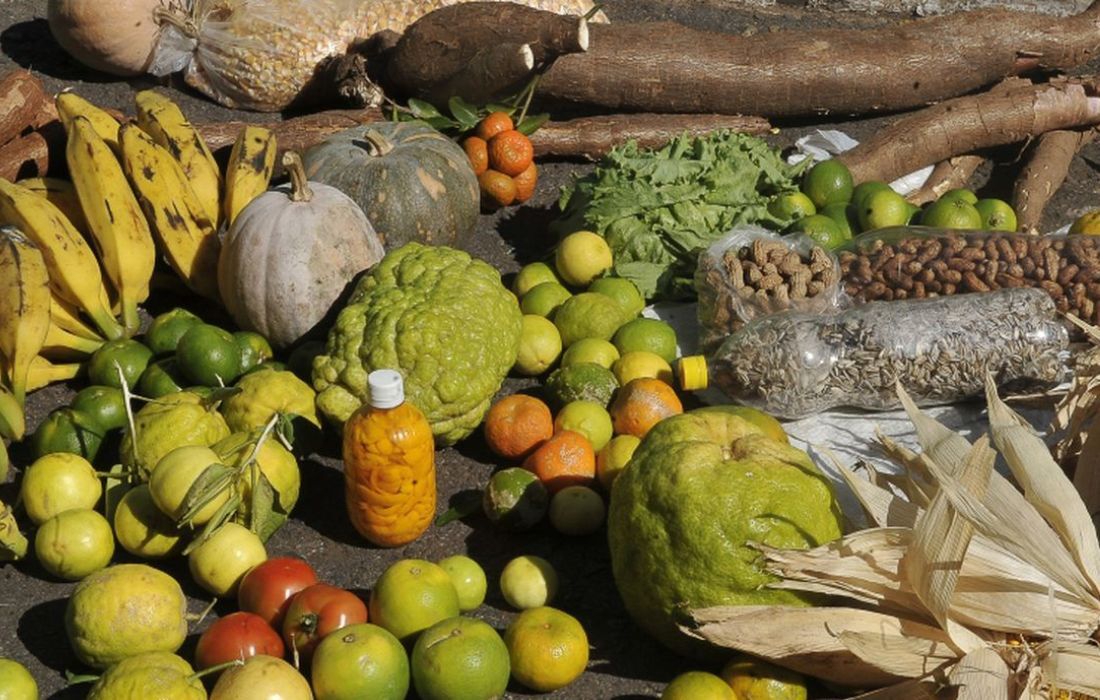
389,465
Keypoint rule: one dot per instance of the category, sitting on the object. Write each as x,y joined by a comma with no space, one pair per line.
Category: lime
57,482
143,529
360,661
531,276
539,346
460,658
915,213
649,335
960,193
822,230
254,349
790,206
866,189
548,648
1088,223
411,596
544,299
161,378
594,350
827,182
68,430
698,685
997,214
208,355
752,678
588,315
582,381
882,209
165,331
528,582
125,354
100,617
74,544
588,418
582,257
515,499
174,475
640,363
16,682
954,213
577,510
469,580
105,404
614,457
621,290
845,216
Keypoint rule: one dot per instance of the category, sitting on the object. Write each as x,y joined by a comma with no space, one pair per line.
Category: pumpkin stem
299,186
379,144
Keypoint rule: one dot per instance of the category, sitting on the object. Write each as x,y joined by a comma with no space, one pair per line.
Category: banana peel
13,545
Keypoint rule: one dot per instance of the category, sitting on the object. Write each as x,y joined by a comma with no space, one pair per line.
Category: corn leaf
883,507
981,675
906,690
1070,667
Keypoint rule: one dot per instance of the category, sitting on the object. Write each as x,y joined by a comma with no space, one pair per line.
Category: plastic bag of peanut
261,54
753,272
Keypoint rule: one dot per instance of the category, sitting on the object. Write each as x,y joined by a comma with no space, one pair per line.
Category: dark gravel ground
624,662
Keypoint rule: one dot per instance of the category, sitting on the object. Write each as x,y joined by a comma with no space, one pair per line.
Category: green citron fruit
539,346
997,214
532,275
411,596
882,209
845,216
208,355
125,610
460,658
588,315
105,404
791,206
586,381
255,349
125,354
68,430
595,350
380,663
621,290
828,182
161,378
648,334
16,682
951,212
865,189
700,488
515,499
469,580
164,333
960,193
171,421
157,675
544,299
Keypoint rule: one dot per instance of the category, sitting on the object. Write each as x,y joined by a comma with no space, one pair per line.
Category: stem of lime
216,668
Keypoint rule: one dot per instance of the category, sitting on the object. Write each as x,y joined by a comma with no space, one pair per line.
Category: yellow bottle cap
691,373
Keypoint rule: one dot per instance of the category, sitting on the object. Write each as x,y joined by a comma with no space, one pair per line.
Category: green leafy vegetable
659,208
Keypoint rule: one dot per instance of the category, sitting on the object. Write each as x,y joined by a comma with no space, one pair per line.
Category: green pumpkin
413,183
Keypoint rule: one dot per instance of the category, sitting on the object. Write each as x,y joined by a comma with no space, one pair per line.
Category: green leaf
498,107
463,504
262,507
219,394
423,110
532,122
284,428
441,123
464,112
212,482
221,517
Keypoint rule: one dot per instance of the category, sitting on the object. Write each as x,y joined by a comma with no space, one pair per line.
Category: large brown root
664,67
1044,173
947,175
970,123
24,105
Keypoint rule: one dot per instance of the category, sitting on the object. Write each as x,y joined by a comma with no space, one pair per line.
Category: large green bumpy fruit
440,318
700,488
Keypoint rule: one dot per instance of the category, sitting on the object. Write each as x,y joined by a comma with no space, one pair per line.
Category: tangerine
525,182
477,151
566,459
516,425
493,124
510,152
641,404
548,648
498,187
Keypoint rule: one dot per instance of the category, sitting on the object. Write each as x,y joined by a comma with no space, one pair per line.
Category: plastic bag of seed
753,272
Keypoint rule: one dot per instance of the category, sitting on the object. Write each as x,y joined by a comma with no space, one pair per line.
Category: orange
459,658
477,150
699,685
493,124
567,459
510,152
411,596
642,404
516,425
496,188
525,182
548,648
750,677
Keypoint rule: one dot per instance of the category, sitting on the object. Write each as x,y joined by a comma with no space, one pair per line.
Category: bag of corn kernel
753,272
261,54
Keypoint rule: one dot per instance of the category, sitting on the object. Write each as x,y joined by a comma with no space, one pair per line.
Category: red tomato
267,589
240,635
315,612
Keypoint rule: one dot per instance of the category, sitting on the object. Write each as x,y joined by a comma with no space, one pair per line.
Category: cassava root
1044,173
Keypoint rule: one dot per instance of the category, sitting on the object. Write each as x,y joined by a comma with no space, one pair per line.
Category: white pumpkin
290,255
113,36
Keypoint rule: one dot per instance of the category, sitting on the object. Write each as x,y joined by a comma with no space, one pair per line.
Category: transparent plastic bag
753,272
794,365
261,54
910,262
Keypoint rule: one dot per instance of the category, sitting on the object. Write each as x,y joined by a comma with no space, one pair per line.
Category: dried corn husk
1004,577
261,54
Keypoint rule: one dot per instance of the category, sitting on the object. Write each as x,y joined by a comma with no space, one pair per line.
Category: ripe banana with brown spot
67,317
251,164
61,194
115,220
75,275
185,234
162,119
71,105
24,307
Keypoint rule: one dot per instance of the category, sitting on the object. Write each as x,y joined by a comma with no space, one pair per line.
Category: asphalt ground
624,663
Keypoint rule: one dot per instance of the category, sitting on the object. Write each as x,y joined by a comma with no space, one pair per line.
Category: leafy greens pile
658,208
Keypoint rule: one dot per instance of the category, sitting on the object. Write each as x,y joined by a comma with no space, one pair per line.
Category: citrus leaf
284,428
423,110
441,123
221,393
261,508
463,112
210,484
497,107
531,123
463,504
221,517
